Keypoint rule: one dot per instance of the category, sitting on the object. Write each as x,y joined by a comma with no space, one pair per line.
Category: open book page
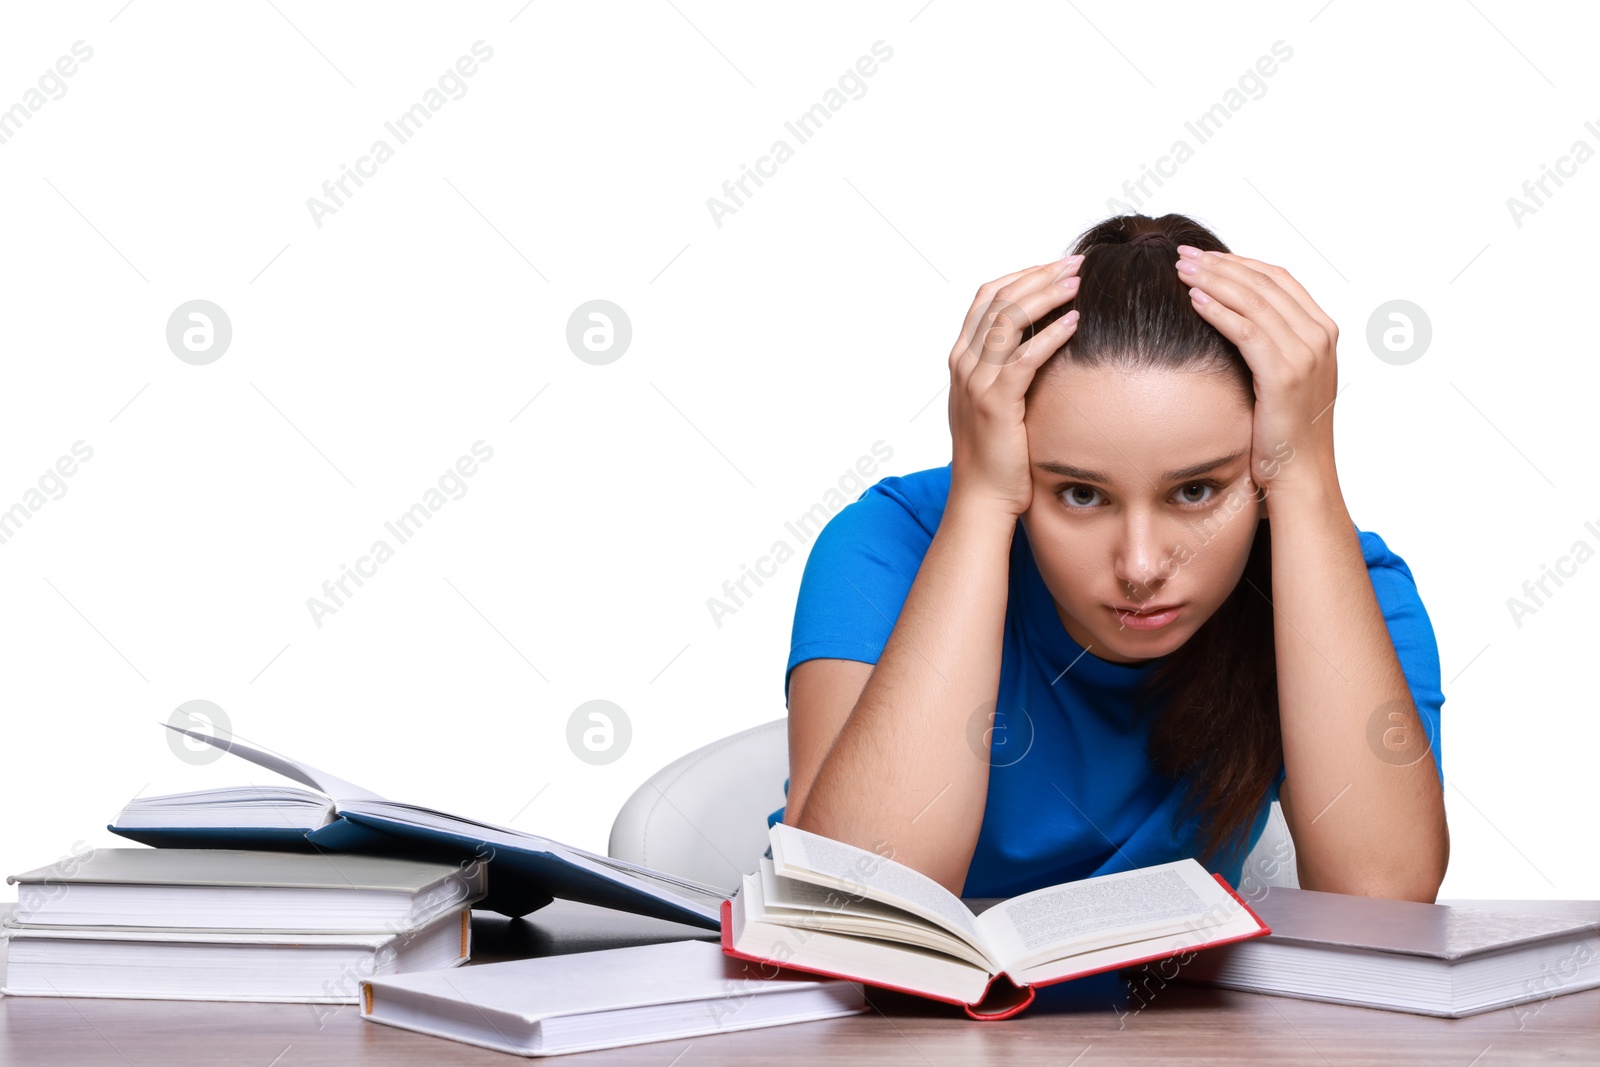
797,853
337,788
1170,944
805,905
1104,912
230,806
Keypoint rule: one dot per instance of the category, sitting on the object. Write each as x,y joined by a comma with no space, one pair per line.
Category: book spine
1011,1000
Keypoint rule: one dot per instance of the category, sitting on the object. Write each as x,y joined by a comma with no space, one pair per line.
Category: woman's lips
1148,618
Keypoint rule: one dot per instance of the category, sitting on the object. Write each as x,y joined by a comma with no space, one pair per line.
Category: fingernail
1188,252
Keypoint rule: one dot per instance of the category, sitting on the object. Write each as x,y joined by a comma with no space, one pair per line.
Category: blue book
525,871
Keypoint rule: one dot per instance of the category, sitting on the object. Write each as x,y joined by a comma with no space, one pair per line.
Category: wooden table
1087,1022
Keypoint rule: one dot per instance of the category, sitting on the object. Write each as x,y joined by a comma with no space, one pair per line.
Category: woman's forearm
907,775
1367,816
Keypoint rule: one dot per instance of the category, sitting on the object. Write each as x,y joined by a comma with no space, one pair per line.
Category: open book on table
830,908
525,871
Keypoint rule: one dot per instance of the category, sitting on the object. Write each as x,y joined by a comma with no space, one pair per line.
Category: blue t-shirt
1086,800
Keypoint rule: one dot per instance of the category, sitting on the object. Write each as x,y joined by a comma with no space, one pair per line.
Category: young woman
1132,610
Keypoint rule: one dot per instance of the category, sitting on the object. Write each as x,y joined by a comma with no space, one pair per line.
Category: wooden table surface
1086,1022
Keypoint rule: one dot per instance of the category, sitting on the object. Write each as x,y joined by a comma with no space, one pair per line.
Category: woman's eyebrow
1067,470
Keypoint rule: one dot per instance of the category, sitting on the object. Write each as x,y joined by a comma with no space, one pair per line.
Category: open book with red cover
829,908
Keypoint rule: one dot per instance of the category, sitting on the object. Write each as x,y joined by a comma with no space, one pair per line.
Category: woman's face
1129,509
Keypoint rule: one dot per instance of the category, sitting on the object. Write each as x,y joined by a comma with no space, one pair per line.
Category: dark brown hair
1217,694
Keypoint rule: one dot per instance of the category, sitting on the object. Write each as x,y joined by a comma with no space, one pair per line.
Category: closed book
176,964
234,889
1400,955
525,871
603,999
826,907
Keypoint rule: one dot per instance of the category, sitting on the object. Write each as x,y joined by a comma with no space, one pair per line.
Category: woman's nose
1141,563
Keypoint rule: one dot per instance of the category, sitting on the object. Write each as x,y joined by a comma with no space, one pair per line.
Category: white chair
704,815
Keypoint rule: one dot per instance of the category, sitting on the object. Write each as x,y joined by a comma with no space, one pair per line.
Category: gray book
1448,960
605,998
240,890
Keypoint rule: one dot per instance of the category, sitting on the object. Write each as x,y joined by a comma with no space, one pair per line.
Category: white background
769,353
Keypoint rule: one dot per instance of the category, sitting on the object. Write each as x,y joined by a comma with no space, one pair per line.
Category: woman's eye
1205,487
1071,495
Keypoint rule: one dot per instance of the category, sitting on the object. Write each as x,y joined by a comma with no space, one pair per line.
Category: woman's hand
989,374
1289,342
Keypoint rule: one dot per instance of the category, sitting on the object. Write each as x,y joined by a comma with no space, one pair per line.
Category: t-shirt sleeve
1412,633
857,575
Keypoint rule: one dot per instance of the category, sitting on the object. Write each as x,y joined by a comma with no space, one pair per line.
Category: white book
318,968
603,999
236,889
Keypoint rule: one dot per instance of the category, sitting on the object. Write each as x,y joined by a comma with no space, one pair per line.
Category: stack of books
329,893
234,924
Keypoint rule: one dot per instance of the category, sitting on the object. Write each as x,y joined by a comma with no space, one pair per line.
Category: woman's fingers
1287,282
1255,296
990,370
989,290
1041,346
1005,307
